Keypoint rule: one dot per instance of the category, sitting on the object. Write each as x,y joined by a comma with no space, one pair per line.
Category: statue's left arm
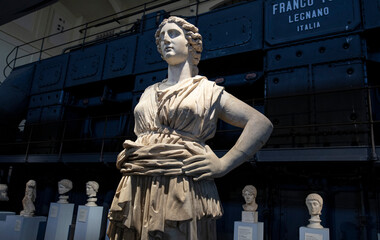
256,131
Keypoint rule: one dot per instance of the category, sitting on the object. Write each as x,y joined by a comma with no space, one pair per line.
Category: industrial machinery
311,66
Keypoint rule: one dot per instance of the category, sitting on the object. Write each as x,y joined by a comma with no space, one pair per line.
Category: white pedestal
23,228
89,222
248,231
59,220
314,233
3,216
249,216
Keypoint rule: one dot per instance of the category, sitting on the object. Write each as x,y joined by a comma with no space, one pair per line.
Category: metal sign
291,20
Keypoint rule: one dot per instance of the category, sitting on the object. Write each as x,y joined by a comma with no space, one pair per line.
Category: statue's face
62,189
173,43
3,192
90,190
314,207
248,197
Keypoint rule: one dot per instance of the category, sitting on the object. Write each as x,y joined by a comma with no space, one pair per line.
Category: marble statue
167,189
4,192
249,214
249,193
314,203
64,186
92,188
29,198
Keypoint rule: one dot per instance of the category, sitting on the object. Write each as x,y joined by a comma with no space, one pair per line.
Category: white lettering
296,4
326,11
308,26
302,16
297,17
308,3
275,8
290,5
314,14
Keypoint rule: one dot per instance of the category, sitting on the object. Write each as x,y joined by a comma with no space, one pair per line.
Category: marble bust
167,188
249,193
4,192
92,188
64,186
29,198
314,203
249,214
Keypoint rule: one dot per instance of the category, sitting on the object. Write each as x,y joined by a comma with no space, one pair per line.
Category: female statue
314,203
64,186
4,192
92,188
249,193
167,189
29,198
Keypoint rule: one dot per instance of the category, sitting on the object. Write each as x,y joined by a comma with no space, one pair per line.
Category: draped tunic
171,125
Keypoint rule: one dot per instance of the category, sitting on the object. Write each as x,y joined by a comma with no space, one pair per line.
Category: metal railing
44,48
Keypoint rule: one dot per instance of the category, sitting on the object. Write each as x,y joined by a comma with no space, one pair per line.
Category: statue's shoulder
202,79
152,87
209,84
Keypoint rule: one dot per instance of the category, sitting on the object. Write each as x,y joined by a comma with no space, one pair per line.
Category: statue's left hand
204,166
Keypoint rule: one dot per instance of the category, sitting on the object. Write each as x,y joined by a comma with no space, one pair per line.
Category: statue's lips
167,49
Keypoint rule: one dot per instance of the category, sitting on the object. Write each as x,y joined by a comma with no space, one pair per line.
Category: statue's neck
250,207
179,72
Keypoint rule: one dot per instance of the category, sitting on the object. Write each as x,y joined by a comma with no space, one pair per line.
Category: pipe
14,96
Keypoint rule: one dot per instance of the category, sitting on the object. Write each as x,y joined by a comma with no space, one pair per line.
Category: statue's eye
173,33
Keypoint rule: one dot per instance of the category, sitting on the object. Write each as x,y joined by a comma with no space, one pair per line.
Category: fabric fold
154,193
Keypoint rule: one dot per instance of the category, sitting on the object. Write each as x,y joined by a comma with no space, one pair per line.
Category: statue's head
314,203
249,193
31,189
176,40
64,186
92,188
3,192
3,188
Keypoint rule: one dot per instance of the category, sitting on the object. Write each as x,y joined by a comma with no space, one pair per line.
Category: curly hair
3,187
192,35
94,185
316,197
250,189
66,183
